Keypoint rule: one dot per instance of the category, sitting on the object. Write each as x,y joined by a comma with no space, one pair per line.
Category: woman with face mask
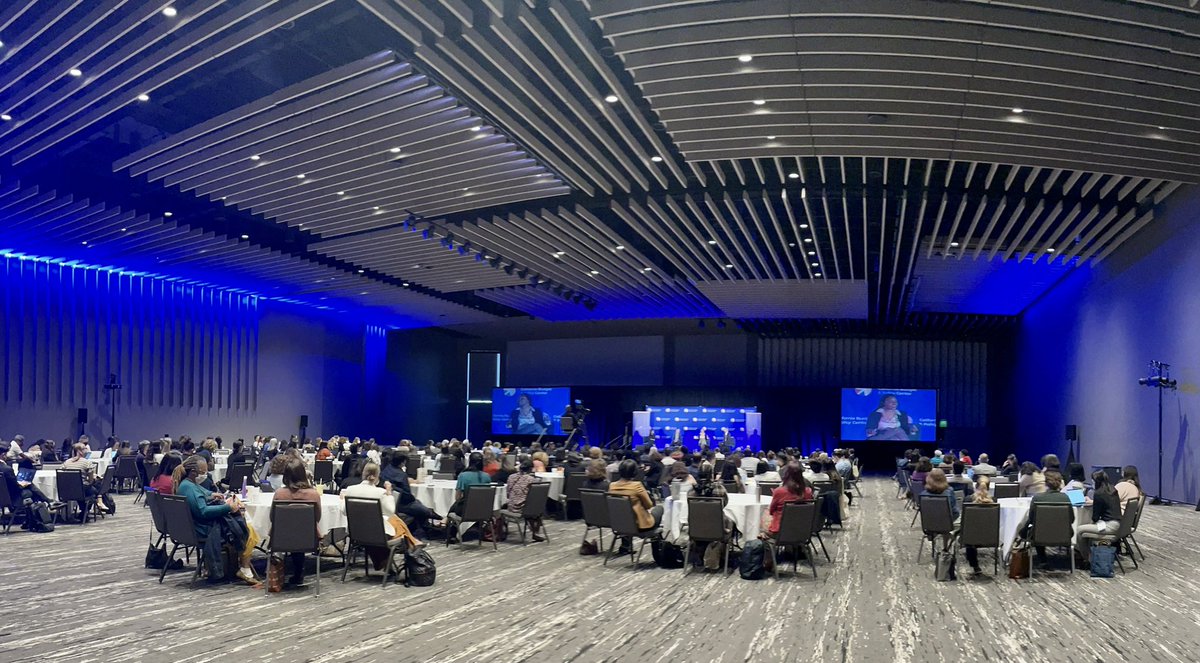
216,517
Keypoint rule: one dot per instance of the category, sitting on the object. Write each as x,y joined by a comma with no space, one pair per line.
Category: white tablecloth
258,513
430,464
47,482
439,495
744,509
556,483
337,467
1015,510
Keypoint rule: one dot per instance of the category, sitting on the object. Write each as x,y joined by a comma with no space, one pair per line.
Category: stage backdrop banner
689,425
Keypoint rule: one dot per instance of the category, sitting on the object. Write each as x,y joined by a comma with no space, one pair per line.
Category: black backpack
420,568
666,555
751,565
40,518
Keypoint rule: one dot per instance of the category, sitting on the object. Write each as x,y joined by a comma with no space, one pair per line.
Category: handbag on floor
420,568
1018,563
944,563
1103,557
274,574
589,548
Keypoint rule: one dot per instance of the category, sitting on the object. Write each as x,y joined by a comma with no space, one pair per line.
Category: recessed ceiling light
1018,110
759,102
245,237
363,292
75,72
362,271
728,266
953,244
770,138
254,157
477,128
300,176
85,242
808,240
560,253
612,98
394,150
812,253
815,264
803,226
6,117
341,193
1050,250
405,284
619,247
168,214
376,207
792,244
169,12
143,97
656,158
647,269
816,273
593,272
745,58
124,229
712,241
793,176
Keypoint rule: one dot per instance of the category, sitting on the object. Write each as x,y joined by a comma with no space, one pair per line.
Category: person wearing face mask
217,519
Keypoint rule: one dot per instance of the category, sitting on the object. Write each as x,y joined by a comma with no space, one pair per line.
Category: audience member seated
369,488
793,489
1076,479
297,488
1010,465
1106,514
80,462
490,465
1051,462
729,473
518,490
19,492
163,483
763,472
1130,486
1051,495
983,468
707,485
924,466
959,476
679,472
211,510
597,475
541,461
647,514
472,476
981,496
1032,481
653,469
936,484
508,467
407,503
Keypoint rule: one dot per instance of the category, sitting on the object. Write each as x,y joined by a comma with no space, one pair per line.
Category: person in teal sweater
209,509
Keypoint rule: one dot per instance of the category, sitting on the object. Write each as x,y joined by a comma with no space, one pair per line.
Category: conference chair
981,529
795,533
819,523
446,465
104,487
532,511
442,476
126,473
766,487
936,520
235,474
71,493
595,512
572,483
181,530
7,507
364,529
294,529
706,524
1121,537
411,465
154,503
323,471
718,466
1008,489
479,506
623,523
1052,527
731,487
148,470
1133,528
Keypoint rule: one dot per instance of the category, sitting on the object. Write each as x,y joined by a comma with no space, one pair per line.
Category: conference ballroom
599,330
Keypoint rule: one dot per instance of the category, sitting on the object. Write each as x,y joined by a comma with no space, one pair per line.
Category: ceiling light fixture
745,58
254,157
803,226
593,272
1018,110
124,229
812,253
6,117
759,102
169,12
647,269
953,244
1050,250
394,150
619,247
143,97
477,128
612,98
808,240
792,244
815,264
362,271
712,241
300,176
793,176
728,266
770,138
405,284
245,237
73,71
817,274
656,158
85,242
168,214
341,193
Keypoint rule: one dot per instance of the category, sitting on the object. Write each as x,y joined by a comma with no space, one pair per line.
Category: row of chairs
479,506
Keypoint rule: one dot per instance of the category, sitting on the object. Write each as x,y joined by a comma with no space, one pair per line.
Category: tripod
1160,379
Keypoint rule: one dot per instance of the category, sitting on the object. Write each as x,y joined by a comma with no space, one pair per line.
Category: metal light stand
1160,379
112,387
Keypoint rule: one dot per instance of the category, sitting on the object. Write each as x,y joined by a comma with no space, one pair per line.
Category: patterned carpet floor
81,594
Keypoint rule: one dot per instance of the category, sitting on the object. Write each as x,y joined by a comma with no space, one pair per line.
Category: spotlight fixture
812,253
792,244
6,117
817,274
712,241
405,284
143,97
619,247
74,72
169,12
168,214
814,264
953,245
593,272
300,176
647,269
1050,249
803,226
341,193
394,150
759,102
477,128
745,58
362,271
1017,110
254,157
1162,128
770,138
656,158
245,237
612,98
793,176
808,240
728,266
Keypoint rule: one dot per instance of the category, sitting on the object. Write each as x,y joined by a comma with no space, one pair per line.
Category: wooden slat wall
64,329
958,369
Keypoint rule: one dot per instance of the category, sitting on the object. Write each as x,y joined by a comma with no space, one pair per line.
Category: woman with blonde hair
370,489
983,491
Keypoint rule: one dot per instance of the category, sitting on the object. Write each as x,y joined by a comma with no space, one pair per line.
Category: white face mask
201,478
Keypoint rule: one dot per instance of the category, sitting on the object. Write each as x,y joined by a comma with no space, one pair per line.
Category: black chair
765,488
981,529
962,491
1001,490
71,492
126,473
595,512
572,483
294,530
364,528
1133,528
1052,527
623,523
148,470
447,465
706,524
1121,537
532,511
323,471
181,530
442,476
796,533
411,465
235,474
936,520
154,503
479,506
718,466
731,487
7,507
819,523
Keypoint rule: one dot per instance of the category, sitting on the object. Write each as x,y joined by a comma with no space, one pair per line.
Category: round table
258,513
745,510
1014,512
555,480
438,494
47,482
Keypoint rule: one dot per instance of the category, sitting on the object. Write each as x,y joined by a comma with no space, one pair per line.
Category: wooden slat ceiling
592,159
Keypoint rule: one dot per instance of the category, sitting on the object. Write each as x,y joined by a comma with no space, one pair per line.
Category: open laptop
1077,498
25,476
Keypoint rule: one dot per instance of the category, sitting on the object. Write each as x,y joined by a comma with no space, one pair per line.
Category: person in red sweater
490,465
794,489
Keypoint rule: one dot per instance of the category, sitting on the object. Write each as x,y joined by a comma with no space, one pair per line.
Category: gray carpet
81,594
